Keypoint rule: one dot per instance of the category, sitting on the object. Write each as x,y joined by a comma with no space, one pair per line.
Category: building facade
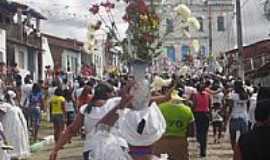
221,14
66,53
20,37
3,44
255,56
99,56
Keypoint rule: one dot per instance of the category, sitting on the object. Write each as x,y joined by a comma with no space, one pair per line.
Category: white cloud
69,18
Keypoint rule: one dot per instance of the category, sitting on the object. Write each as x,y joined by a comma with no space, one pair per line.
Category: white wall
69,55
256,27
99,56
22,62
222,41
3,45
46,56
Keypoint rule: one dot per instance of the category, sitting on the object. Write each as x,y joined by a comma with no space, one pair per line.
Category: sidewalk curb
48,140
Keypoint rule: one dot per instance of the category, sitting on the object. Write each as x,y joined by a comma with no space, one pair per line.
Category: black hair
36,88
27,79
58,92
54,83
81,83
101,93
7,98
262,111
200,87
68,94
239,89
207,83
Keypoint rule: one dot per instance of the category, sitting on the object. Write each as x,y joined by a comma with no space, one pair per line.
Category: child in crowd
217,120
70,107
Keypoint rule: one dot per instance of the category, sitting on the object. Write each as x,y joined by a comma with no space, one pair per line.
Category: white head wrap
155,126
12,94
158,83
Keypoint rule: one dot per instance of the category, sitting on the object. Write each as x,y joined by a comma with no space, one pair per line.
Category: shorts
217,124
35,114
238,124
70,117
58,119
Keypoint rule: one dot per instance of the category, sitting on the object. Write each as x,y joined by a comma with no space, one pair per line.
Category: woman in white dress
3,153
138,126
88,115
111,132
15,128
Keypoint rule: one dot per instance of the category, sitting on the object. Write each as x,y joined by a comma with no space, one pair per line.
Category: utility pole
241,72
152,5
210,30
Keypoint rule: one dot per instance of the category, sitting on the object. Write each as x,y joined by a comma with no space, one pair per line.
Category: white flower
194,23
186,34
196,45
183,11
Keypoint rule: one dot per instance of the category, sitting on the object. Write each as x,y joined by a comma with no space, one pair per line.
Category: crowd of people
113,126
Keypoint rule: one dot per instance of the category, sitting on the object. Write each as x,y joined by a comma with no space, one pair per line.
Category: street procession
134,79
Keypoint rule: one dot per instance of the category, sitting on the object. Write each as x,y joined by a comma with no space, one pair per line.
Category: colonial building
256,60
66,53
20,37
221,14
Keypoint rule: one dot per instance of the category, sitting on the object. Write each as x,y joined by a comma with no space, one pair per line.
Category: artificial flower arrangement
144,39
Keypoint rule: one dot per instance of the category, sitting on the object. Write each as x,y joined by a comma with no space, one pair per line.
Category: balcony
15,35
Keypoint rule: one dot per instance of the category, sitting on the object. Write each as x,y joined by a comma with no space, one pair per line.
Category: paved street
73,151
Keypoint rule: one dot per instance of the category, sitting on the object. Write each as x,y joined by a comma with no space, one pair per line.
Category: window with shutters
200,19
169,26
220,23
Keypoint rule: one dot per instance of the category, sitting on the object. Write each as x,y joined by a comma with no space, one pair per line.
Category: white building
256,25
66,53
98,55
3,41
223,31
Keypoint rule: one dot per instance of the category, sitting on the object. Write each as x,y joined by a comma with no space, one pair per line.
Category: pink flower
108,5
94,9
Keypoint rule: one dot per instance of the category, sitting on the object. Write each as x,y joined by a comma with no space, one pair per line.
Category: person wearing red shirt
202,102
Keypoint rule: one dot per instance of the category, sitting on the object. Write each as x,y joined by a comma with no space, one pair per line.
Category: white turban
11,94
154,127
158,83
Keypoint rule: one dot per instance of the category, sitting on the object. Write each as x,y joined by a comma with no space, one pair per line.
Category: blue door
171,53
185,50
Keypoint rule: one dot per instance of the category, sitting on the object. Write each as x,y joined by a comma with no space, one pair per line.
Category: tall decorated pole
143,41
241,72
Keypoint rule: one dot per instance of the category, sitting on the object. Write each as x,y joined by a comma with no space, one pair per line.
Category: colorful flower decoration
196,45
193,23
183,11
107,5
94,9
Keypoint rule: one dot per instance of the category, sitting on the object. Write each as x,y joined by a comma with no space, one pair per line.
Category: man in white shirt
26,90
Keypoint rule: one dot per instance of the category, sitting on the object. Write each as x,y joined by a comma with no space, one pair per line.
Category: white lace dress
3,154
15,129
112,143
